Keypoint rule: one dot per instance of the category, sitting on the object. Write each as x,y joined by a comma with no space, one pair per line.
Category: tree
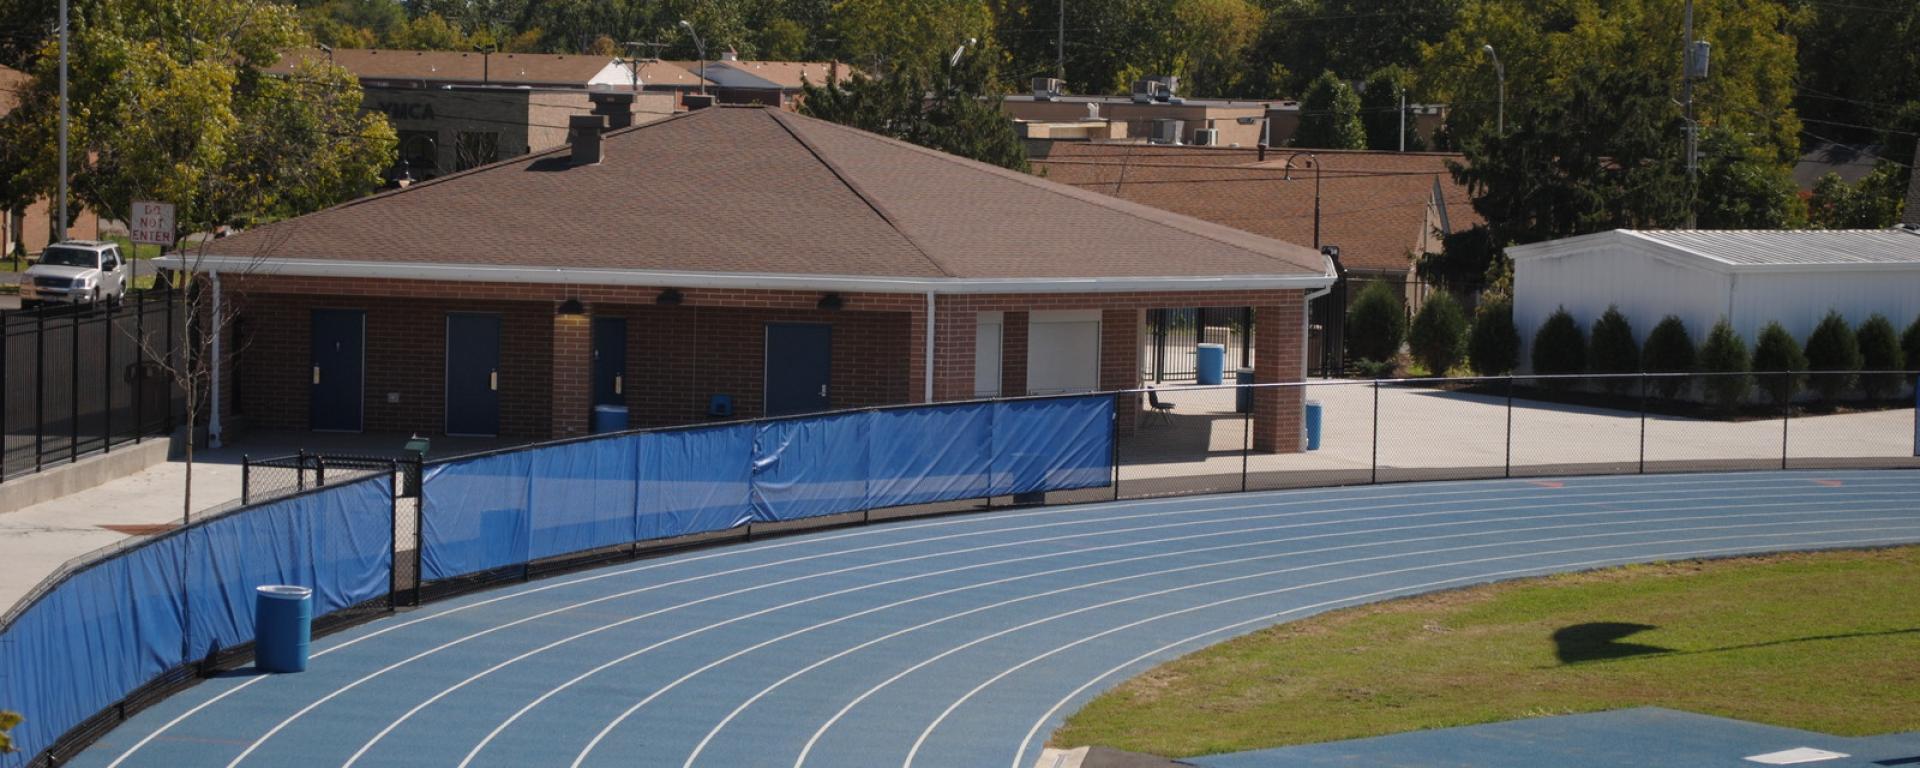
1777,361
1873,203
1465,257
1725,354
1613,350
1910,345
1559,348
1355,36
954,109
1381,100
1834,353
1879,351
1330,116
1669,349
1376,324
895,36
1438,338
1741,188
1494,347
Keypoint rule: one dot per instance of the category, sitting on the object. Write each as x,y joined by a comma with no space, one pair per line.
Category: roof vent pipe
585,133
616,105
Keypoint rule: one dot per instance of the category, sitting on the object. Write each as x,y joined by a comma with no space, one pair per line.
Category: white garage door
1063,352
986,355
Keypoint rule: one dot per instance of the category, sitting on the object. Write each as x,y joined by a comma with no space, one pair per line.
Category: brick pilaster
1013,354
1120,362
1278,356
572,391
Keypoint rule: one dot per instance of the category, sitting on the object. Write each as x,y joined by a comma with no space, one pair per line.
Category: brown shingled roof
760,191
1374,205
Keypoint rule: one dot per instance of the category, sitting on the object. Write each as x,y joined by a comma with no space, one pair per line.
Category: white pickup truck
77,272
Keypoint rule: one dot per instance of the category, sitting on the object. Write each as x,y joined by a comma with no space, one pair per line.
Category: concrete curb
101,468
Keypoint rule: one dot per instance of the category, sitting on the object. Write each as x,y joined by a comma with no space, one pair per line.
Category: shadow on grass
1600,641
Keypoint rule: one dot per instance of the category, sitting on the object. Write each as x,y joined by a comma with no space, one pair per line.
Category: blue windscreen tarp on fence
502,510
124,621
585,494
479,518
810,467
694,480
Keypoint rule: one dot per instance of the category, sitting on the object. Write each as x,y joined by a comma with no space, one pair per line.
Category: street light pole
702,48
1500,74
1288,176
61,233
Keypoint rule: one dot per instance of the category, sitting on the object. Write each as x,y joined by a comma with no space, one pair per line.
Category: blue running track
955,641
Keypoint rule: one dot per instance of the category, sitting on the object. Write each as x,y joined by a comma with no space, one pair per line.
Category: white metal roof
1744,250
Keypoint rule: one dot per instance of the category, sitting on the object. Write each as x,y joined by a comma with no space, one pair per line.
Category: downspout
1306,324
213,395
928,392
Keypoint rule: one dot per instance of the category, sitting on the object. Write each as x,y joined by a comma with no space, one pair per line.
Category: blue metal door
337,381
609,360
473,374
799,366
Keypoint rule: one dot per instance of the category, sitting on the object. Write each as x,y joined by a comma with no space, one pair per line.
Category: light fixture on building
571,306
670,297
832,301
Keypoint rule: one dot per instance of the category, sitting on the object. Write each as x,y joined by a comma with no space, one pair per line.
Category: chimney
730,55
697,101
585,131
617,106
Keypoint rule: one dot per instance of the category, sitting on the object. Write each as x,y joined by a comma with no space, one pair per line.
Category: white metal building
1750,277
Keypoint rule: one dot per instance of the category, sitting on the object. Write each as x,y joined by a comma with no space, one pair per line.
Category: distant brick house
28,229
786,263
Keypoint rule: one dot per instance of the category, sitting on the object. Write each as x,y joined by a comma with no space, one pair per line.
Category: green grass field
1827,642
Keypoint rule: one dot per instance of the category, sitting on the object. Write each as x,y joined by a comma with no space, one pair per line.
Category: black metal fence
1173,337
82,380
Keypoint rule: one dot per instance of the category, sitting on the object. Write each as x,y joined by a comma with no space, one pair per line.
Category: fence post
419,527
393,535
246,479
140,368
73,389
106,381
1116,447
1508,469
319,470
300,470
1643,423
1786,412
1373,464
39,389
169,352
1246,432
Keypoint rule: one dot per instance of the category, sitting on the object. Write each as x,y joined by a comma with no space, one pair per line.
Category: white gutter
213,422
673,279
1306,326
930,319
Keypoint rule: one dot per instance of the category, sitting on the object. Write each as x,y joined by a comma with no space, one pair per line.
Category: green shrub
1612,350
1494,345
1910,344
1438,338
1832,347
1559,348
1373,369
1669,349
1879,351
1725,353
1376,323
1774,352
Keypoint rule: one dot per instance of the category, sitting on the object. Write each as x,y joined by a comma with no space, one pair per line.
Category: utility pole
1403,118
1060,45
1686,98
61,233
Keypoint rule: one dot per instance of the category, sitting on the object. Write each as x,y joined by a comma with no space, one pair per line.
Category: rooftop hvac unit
1206,137
1166,131
1172,83
1149,91
1048,88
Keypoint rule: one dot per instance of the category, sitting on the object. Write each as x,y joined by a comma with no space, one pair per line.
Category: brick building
789,264
28,229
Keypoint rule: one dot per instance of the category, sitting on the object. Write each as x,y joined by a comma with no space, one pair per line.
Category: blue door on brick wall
609,360
799,366
337,381
473,374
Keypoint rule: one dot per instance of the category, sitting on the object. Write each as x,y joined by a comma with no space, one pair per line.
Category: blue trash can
609,418
1243,397
1313,425
1210,363
282,627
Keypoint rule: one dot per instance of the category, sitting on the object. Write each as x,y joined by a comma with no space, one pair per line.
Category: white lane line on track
1158,555
302,712
968,696
1497,489
1352,600
828,725
1076,552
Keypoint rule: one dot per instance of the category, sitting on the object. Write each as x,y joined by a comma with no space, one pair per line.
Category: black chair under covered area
1162,409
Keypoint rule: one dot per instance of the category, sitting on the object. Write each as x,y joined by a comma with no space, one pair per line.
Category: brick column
1013,354
956,329
572,374
1279,349
1120,362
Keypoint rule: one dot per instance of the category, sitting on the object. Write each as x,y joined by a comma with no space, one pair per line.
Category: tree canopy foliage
953,108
